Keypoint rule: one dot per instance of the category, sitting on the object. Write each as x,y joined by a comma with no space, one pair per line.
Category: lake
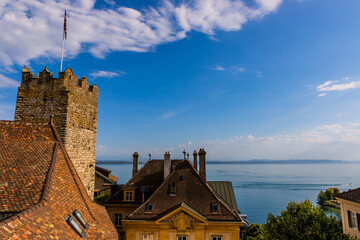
264,188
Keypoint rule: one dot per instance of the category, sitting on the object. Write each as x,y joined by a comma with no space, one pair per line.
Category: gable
190,189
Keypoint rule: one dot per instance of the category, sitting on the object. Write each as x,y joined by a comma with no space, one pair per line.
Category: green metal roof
224,189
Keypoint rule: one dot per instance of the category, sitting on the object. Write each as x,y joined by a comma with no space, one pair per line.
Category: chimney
195,159
167,164
135,163
202,169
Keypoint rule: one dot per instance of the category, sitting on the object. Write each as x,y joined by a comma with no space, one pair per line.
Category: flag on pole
65,27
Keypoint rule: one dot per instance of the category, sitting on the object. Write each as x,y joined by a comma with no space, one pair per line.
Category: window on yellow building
181,238
118,218
216,238
353,219
147,236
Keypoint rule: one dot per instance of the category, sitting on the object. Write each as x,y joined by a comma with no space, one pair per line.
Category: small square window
149,207
118,218
214,207
181,238
216,237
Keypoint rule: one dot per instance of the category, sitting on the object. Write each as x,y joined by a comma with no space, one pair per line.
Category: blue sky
254,79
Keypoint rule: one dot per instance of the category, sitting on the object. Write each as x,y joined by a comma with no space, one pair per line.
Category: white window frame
129,196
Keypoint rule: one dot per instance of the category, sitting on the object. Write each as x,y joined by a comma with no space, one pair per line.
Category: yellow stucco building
350,211
171,199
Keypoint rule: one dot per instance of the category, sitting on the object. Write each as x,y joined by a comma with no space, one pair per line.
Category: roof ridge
73,172
213,192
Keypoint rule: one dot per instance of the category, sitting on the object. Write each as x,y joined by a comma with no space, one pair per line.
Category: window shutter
358,220
350,219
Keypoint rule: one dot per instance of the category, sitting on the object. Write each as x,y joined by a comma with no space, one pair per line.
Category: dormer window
214,207
149,207
183,178
172,189
129,196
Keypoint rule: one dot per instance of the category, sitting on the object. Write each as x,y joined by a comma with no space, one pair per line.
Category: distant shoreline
255,161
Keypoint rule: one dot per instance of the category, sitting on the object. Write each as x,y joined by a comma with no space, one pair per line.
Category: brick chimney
195,159
167,164
202,168
135,163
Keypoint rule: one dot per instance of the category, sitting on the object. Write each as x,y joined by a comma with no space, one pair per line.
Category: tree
303,221
253,232
321,197
329,193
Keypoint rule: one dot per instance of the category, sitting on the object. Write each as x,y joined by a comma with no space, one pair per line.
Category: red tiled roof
351,195
56,191
193,191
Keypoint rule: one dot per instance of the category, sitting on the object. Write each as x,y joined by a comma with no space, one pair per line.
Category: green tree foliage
302,221
253,232
327,195
322,197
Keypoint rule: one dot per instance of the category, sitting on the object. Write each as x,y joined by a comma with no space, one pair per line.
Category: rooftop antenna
184,152
63,39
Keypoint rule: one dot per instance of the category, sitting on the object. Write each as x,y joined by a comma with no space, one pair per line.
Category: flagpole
63,41
62,52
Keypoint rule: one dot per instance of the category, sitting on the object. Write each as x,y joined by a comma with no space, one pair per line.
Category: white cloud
6,82
32,32
322,94
106,74
336,86
332,141
219,68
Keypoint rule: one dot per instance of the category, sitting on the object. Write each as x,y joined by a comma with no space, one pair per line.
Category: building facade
73,105
171,199
350,211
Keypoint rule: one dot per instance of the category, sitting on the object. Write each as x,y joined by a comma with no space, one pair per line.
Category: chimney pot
135,163
202,167
195,159
167,164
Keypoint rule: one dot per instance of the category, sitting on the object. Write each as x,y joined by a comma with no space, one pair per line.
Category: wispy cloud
219,68
322,94
6,82
106,74
239,69
167,115
337,86
32,32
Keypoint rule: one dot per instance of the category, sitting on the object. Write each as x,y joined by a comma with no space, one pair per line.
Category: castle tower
73,105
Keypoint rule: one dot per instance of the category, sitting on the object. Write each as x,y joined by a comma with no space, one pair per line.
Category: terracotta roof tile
58,194
351,195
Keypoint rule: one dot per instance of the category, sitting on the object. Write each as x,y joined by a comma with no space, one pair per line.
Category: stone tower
73,105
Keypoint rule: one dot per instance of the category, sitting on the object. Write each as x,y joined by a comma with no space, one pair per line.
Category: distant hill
253,161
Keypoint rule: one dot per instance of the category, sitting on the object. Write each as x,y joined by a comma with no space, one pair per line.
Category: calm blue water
264,188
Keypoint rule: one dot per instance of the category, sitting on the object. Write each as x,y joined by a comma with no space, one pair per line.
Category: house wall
354,207
135,231
73,105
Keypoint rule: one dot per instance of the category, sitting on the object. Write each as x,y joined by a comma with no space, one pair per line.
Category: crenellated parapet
66,79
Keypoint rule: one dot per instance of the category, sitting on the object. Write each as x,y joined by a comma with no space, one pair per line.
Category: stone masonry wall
73,105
